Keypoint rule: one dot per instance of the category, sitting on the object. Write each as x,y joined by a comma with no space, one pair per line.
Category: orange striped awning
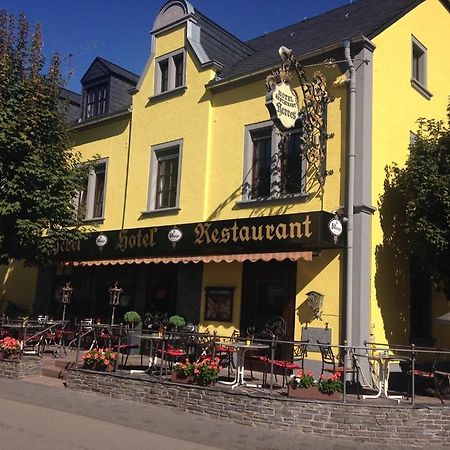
281,256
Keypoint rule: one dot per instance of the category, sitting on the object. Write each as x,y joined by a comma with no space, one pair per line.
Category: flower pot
9,356
202,382
103,368
182,379
312,393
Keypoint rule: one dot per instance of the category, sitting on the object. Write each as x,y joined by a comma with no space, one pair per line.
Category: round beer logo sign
101,240
175,234
335,227
282,103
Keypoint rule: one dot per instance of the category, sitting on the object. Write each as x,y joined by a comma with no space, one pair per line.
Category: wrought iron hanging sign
303,111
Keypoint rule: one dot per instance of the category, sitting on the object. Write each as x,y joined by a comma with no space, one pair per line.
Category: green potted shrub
176,322
132,318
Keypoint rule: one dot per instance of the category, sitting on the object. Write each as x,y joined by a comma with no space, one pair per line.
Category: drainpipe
127,170
350,192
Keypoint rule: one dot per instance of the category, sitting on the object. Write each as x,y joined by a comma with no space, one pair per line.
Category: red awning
281,256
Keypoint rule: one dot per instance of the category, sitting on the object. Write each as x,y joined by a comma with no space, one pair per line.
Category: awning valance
280,256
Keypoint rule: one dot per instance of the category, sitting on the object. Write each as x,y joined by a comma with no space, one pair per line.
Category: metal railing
195,343
36,333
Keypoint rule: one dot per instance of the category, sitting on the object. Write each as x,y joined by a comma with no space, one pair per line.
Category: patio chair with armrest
177,347
445,377
202,346
261,357
428,374
333,364
226,354
287,365
124,345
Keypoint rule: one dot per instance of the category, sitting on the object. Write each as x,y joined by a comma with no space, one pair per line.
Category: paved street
46,417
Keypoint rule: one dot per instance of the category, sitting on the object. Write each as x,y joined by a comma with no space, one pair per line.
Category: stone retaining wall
394,425
20,368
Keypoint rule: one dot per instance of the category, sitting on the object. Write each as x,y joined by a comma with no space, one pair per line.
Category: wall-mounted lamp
315,302
66,295
114,298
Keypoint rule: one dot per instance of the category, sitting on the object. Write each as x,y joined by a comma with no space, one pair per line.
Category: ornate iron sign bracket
311,117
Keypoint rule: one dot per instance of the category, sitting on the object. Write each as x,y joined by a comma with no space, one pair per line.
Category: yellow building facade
200,220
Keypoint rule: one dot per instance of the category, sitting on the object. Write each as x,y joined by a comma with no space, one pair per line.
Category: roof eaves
393,19
100,119
214,84
119,68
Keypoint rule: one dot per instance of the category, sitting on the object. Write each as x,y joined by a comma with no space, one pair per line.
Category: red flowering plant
184,369
206,370
99,358
330,385
301,379
9,346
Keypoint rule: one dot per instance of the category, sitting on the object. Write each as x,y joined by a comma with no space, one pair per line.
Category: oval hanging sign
283,105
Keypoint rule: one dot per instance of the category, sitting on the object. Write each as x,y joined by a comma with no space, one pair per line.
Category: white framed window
90,201
165,175
419,67
269,174
95,100
170,72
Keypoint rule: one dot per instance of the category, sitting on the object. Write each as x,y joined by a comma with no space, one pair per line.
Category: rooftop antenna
71,55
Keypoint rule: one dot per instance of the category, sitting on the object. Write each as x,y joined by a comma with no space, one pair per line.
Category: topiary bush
177,321
132,318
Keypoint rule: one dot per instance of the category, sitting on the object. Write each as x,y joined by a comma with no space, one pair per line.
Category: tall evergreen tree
40,174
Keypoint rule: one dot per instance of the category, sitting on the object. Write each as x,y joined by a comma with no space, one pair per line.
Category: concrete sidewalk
195,431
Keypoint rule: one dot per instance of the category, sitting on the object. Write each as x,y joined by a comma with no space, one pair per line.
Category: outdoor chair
430,375
332,364
260,357
226,354
124,347
203,346
177,348
445,377
287,365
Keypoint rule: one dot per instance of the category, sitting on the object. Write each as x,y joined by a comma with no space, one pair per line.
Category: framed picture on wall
219,304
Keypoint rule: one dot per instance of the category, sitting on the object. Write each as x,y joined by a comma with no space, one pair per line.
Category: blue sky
119,30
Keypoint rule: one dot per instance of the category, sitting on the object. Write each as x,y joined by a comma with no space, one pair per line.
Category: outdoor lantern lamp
315,302
114,298
66,295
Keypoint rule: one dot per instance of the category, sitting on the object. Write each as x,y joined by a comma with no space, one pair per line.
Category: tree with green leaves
40,174
419,225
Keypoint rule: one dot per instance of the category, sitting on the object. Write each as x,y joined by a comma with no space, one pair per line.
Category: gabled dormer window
96,100
170,72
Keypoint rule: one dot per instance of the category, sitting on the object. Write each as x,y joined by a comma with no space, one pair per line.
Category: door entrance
268,292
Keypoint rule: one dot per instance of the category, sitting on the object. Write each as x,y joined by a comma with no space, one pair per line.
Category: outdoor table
241,349
383,359
155,339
